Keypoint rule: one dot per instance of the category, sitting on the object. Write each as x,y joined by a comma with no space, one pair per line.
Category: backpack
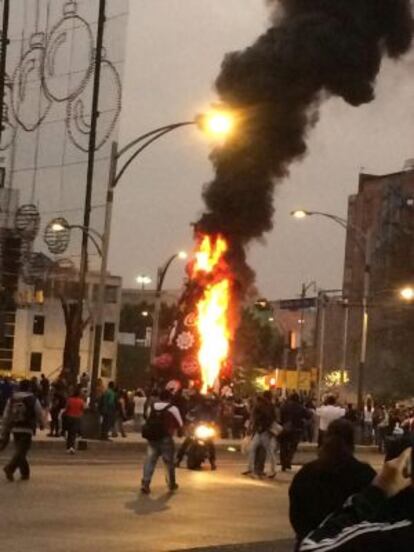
154,428
22,412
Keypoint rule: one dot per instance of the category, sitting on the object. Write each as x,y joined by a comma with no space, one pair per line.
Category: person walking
121,415
292,417
57,405
328,481
23,413
139,405
262,420
163,420
74,411
107,409
328,413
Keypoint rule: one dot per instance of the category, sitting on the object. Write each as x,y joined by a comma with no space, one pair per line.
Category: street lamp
364,242
143,280
57,235
161,274
217,124
407,293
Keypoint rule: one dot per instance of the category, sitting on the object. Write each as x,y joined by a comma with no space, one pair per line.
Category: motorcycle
199,447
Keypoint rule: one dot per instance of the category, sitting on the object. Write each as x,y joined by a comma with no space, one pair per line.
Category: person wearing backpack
23,413
162,421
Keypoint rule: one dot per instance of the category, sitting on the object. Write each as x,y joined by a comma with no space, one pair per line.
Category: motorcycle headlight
204,432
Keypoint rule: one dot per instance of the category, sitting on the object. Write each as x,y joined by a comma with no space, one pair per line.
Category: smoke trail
313,49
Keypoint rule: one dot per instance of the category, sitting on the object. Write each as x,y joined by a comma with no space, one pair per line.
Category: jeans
22,444
166,449
73,429
268,442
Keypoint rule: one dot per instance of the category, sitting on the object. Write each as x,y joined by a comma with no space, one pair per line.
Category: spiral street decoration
27,86
78,117
69,51
57,235
27,221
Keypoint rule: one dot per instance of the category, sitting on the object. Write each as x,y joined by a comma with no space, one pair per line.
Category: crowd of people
353,504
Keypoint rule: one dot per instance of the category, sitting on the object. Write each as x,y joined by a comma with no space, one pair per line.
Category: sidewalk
134,442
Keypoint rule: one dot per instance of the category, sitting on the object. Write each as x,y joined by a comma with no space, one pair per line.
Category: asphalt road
91,503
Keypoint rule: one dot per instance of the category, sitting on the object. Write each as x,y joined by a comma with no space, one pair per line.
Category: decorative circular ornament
27,221
190,367
68,60
35,268
30,103
163,362
57,235
185,341
78,112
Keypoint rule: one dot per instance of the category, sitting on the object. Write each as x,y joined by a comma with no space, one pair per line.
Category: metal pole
321,302
156,318
89,177
4,44
299,356
99,321
345,340
365,319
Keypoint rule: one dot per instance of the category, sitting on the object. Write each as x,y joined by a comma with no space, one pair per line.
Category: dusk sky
174,53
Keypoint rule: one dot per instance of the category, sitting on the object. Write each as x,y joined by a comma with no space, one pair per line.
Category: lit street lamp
364,242
407,293
161,274
143,280
57,235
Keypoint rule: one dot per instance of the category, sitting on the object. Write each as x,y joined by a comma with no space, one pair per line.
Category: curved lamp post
216,123
161,273
364,242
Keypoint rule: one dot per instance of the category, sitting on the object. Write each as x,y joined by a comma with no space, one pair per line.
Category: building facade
40,330
383,209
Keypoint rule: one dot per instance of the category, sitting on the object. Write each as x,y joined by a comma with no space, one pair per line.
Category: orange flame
213,310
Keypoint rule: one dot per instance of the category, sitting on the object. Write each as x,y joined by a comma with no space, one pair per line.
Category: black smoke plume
313,49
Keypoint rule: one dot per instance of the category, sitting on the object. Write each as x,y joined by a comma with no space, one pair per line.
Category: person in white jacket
327,414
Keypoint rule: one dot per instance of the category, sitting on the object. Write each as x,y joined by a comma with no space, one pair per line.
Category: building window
36,362
106,368
111,294
38,324
109,331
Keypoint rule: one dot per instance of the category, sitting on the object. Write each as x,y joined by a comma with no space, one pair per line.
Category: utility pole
365,320
100,309
89,184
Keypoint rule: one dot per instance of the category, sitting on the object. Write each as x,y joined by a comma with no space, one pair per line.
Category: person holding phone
379,518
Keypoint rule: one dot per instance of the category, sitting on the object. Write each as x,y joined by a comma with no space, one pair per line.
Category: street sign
298,304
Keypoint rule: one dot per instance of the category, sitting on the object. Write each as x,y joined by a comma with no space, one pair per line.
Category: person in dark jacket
328,481
379,519
23,413
262,419
292,416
